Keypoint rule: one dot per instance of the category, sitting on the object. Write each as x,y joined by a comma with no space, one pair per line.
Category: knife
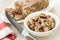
18,26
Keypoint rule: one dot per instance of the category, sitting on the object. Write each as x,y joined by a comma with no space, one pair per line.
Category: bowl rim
57,18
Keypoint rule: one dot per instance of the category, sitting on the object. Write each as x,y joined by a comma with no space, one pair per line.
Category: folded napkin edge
5,32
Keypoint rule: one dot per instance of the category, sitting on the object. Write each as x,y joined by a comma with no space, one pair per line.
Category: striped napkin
5,32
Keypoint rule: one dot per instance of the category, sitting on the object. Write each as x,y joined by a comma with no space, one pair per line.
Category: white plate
3,17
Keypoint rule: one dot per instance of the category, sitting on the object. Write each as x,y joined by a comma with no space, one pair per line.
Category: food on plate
14,13
23,8
11,11
41,23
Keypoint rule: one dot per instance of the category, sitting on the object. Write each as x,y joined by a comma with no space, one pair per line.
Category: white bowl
41,34
3,17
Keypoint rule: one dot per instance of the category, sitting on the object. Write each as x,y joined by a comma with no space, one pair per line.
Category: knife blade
16,25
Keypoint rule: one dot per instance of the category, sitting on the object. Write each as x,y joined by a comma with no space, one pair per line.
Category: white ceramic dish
41,34
3,17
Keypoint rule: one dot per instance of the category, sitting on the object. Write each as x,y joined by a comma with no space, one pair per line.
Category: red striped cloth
3,25
9,37
5,32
